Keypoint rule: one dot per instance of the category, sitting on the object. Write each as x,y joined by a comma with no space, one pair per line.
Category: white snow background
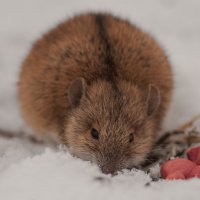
36,172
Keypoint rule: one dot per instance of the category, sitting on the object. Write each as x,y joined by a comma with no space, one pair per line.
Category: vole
101,85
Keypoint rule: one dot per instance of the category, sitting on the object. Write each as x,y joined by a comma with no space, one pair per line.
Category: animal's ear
152,100
76,91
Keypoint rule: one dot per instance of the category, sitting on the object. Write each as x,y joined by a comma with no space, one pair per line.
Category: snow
33,172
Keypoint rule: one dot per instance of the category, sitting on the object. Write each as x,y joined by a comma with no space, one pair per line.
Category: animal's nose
108,169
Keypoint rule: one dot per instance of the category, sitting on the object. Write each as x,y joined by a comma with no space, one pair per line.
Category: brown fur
118,63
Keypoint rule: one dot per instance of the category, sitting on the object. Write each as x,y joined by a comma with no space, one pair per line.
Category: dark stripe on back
110,72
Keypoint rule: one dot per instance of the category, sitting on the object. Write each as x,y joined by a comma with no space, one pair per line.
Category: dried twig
20,135
174,143
188,124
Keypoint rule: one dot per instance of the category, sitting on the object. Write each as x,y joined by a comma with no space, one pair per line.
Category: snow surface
36,172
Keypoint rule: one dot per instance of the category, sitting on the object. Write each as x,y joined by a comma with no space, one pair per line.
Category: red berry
194,155
195,172
175,175
181,165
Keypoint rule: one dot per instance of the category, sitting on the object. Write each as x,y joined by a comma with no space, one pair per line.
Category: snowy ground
35,172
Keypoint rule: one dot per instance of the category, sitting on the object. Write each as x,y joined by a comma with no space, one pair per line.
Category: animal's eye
131,138
95,134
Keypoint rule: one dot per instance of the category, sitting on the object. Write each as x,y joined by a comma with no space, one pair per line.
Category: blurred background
175,24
